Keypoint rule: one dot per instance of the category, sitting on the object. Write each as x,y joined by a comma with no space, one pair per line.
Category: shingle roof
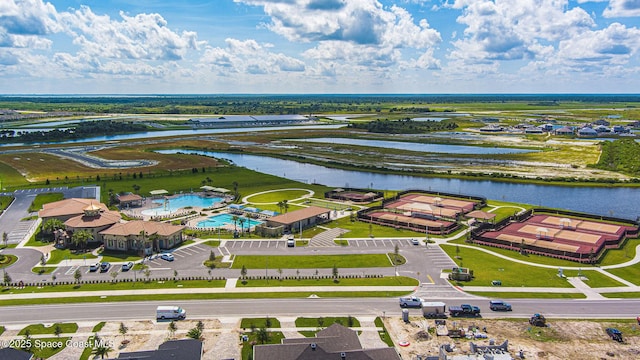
329,344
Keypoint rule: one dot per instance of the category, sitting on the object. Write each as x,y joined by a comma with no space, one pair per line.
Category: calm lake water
620,202
412,146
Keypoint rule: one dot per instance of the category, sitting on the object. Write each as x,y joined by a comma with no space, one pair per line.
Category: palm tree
285,205
5,238
136,188
241,221
81,238
52,225
101,350
280,205
235,219
235,189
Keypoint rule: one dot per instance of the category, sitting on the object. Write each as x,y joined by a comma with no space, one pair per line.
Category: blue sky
319,46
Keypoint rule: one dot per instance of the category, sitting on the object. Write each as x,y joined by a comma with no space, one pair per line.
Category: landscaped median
213,289
311,261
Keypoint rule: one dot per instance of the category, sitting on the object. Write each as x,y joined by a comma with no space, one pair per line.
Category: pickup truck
410,301
464,310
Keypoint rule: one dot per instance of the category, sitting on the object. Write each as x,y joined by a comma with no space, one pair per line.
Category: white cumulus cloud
622,8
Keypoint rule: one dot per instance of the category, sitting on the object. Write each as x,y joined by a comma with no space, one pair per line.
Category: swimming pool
227,219
181,201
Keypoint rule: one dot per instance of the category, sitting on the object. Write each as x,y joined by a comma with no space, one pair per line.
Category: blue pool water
226,219
179,202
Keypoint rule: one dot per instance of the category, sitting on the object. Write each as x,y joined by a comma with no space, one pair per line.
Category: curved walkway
310,193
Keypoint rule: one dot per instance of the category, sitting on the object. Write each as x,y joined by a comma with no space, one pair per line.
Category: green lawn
487,267
384,281
59,255
5,201
595,279
42,270
212,243
384,335
117,256
327,204
629,273
42,199
360,229
528,295
311,261
622,295
277,196
204,296
7,260
246,323
537,259
326,321
40,329
127,285
619,256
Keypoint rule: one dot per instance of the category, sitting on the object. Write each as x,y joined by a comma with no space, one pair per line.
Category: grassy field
323,322
201,296
59,255
595,279
619,256
487,268
246,323
629,273
129,285
384,281
527,295
41,329
537,259
274,337
115,256
360,229
11,178
277,196
42,199
7,260
311,261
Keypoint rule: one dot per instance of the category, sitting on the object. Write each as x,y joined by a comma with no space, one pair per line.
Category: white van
170,312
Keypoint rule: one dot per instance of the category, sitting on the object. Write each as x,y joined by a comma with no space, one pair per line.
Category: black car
104,267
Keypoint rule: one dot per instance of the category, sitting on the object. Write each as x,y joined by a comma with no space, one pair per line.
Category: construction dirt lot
561,339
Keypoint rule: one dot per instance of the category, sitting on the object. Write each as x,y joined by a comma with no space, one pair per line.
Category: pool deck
149,204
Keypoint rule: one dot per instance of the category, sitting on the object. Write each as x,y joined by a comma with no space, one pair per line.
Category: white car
167,256
127,266
415,241
94,267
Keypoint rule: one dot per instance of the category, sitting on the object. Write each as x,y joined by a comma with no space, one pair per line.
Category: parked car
614,334
415,241
127,266
291,243
94,267
167,256
105,266
499,305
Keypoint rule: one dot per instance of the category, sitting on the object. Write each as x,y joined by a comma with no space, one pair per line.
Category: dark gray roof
185,349
329,344
14,354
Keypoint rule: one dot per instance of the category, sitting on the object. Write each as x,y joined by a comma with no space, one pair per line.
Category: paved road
303,307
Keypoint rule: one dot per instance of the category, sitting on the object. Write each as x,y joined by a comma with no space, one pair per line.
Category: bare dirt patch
562,339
